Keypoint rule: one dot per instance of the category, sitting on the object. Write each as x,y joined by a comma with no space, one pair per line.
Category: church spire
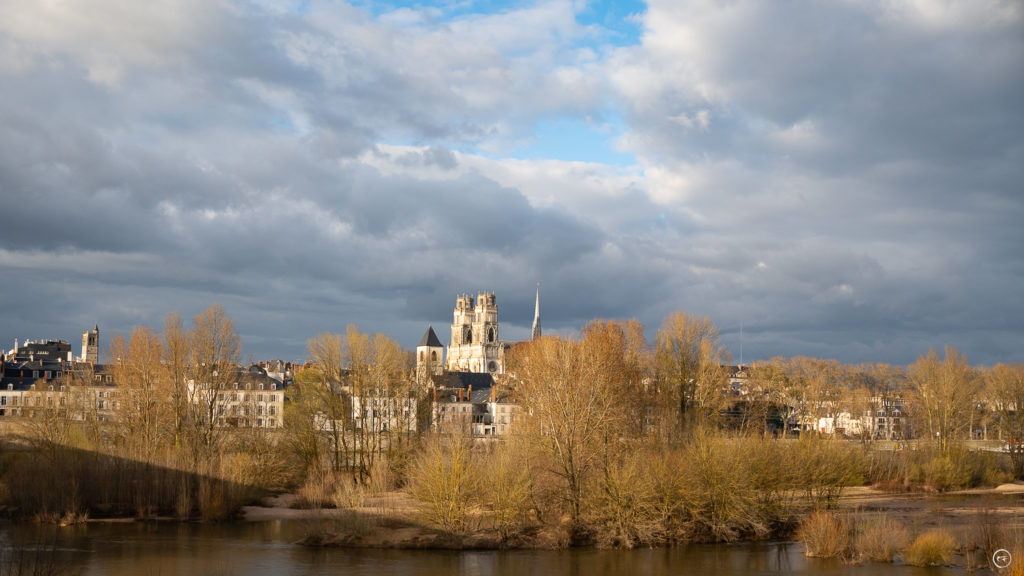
536,316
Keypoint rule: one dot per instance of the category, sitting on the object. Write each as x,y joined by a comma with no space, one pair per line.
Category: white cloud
826,173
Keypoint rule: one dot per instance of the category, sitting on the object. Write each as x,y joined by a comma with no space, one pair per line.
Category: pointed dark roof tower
536,316
430,339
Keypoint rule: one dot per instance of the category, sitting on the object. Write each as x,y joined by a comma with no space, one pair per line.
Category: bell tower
429,356
91,345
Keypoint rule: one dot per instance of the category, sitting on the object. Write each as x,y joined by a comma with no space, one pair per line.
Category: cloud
841,178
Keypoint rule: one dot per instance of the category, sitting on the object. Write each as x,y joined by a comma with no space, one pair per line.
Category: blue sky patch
575,140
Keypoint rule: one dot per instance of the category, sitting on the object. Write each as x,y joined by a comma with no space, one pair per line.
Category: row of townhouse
883,418
471,402
44,376
246,398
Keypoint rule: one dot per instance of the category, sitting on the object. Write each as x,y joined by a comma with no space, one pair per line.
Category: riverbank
389,521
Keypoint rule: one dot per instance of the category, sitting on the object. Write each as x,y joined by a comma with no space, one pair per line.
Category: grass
825,535
932,548
879,539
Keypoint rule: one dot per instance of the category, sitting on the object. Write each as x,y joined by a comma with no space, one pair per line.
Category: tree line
616,440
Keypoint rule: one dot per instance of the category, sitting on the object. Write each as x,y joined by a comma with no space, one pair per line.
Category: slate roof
476,380
430,339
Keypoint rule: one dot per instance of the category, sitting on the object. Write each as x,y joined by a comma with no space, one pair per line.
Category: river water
268,548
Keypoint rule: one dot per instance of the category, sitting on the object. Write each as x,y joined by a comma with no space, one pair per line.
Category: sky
842,179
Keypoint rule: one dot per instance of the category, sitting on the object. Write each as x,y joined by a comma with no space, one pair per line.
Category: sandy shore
389,521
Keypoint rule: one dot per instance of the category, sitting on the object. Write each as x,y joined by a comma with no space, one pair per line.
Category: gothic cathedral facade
475,345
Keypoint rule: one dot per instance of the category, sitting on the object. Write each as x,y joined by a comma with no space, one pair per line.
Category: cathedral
475,345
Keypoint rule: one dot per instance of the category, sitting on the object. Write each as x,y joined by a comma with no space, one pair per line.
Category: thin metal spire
536,316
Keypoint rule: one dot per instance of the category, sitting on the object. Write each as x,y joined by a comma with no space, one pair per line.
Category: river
268,548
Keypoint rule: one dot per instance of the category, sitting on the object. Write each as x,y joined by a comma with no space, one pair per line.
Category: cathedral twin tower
475,345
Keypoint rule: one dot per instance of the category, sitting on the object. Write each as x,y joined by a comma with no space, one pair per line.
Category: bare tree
572,398
691,377
323,387
381,383
1004,389
144,411
177,359
215,354
946,392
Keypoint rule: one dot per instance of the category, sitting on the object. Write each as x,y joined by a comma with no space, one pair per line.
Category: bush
880,538
317,492
942,474
958,468
824,466
825,535
932,548
444,478
721,502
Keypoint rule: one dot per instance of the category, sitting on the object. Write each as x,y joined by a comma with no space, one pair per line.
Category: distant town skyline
844,180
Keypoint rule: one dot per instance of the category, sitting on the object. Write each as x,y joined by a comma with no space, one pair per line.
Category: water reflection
269,548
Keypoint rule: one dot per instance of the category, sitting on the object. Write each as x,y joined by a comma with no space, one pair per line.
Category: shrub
824,466
508,492
880,538
824,535
720,500
942,474
348,493
317,492
443,477
932,548
769,472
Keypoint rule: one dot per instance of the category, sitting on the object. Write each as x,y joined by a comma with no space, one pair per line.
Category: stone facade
475,345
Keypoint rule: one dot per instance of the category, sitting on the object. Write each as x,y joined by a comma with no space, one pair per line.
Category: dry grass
879,539
825,535
932,548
